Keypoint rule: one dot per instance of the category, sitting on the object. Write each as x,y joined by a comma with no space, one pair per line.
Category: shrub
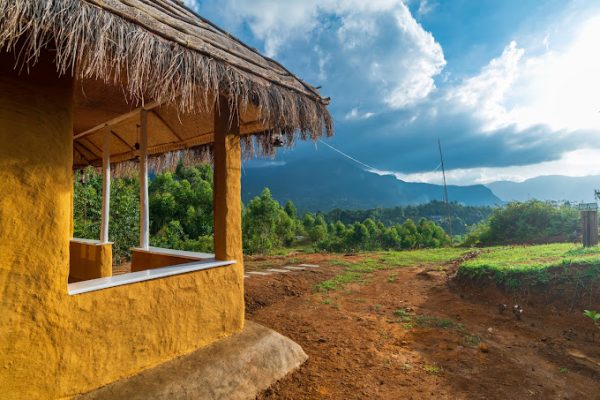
531,222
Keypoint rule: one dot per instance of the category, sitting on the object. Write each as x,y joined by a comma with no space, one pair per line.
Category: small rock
490,330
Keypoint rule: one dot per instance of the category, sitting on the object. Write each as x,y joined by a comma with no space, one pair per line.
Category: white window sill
141,276
89,241
192,255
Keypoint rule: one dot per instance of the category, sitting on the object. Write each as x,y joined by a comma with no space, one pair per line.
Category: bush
531,222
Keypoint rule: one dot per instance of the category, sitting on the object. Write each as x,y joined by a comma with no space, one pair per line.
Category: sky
511,88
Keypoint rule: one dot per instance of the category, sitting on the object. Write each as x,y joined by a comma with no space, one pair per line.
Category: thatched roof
157,54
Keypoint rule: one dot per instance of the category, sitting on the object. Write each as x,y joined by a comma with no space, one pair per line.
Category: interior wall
53,345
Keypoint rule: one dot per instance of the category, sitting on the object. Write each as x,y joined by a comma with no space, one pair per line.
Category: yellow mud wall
89,261
53,345
142,260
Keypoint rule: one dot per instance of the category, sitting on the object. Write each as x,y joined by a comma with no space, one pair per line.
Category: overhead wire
360,162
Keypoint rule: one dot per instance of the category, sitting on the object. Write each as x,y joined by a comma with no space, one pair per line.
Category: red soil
360,349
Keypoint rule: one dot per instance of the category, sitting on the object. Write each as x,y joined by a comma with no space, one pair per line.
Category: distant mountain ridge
324,185
550,187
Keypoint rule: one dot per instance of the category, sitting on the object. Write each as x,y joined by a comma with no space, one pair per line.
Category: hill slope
328,184
551,187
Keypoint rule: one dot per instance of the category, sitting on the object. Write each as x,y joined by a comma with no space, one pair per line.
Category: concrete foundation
236,368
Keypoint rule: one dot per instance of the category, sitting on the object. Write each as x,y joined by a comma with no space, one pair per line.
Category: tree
290,209
260,220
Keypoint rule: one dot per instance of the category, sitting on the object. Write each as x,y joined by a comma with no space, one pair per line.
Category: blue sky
511,87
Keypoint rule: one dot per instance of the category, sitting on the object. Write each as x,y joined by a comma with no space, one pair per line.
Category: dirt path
406,334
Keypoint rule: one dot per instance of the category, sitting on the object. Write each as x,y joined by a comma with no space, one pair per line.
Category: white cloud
485,93
425,7
356,114
559,88
574,163
379,40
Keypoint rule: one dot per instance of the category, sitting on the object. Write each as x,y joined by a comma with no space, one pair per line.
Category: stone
235,368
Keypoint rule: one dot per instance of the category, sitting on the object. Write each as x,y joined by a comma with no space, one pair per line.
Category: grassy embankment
518,266
511,267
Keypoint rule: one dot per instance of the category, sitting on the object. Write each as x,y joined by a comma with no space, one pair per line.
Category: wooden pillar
105,186
227,201
589,227
144,205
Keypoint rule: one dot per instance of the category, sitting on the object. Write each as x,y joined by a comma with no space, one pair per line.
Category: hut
128,86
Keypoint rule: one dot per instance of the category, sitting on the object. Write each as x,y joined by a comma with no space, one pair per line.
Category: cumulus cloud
484,94
379,52
532,104
527,112
558,88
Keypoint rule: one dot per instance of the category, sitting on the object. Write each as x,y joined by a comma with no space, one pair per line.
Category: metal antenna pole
445,190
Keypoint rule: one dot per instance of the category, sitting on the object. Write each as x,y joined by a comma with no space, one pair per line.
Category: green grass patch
424,321
402,313
432,369
357,271
472,340
336,262
516,266
425,256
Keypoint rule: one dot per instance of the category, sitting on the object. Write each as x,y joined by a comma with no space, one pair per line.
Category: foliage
266,225
124,211
181,217
530,222
437,211
594,316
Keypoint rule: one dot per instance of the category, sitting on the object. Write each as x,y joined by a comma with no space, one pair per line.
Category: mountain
324,185
551,187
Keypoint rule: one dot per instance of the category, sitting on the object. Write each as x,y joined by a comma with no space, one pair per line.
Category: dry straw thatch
158,50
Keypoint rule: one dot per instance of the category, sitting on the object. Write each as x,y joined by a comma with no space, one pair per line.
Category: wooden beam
166,124
83,146
144,205
75,144
116,120
115,134
105,186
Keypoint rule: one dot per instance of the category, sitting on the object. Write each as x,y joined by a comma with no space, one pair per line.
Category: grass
409,321
424,321
425,256
513,267
338,281
472,340
432,369
357,271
